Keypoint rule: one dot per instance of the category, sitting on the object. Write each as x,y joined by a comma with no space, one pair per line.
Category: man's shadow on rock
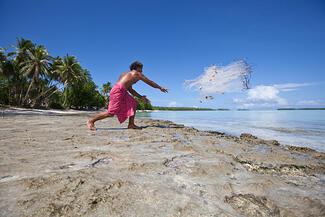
143,127
162,126
108,129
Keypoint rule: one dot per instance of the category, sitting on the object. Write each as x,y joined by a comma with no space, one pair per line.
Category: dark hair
135,65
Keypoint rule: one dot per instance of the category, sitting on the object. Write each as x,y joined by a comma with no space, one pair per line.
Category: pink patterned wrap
121,103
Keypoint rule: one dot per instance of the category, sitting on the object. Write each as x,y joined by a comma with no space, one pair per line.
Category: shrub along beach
30,77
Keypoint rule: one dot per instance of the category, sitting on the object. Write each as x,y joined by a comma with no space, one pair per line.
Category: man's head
136,66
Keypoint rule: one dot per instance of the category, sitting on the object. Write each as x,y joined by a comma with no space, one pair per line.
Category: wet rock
183,147
300,149
253,206
274,142
253,140
100,162
5,177
247,136
281,169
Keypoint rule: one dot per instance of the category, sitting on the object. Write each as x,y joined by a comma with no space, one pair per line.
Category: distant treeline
181,108
301,109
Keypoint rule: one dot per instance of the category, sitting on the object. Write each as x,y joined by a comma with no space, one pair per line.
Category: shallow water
291,127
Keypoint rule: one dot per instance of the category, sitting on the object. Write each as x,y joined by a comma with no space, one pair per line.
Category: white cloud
237,100
265,93
262,92
268,96
292,85
172,104
288,89
259,105
309,102
248,105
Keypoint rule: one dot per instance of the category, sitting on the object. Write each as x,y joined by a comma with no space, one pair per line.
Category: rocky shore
52,165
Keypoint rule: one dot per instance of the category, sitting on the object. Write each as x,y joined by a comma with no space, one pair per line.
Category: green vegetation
301,109
143,106
30,77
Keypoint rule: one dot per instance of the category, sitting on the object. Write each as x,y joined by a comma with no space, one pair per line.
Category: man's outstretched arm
151,83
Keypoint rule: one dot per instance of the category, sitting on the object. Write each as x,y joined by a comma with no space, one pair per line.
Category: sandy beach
52,165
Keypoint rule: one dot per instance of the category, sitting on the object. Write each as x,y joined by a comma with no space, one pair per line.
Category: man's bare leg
100,116
131,123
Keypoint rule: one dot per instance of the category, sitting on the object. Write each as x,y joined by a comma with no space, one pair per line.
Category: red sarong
121,103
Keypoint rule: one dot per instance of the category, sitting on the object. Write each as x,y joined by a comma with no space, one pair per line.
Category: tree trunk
65,98
57,90
44,93
8,93
32,82
20,97
9,97
29,87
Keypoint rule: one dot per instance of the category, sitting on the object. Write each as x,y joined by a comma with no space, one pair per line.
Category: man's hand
144,99
165,90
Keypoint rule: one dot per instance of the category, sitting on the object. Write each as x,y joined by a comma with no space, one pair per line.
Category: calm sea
297,127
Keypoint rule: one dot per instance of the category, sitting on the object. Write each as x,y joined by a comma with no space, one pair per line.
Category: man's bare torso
127,79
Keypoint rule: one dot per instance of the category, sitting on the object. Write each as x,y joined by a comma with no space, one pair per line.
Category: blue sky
283,40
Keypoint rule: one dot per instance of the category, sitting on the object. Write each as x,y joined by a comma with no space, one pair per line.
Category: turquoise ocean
304,128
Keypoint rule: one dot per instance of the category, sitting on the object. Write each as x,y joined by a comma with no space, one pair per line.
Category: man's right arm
151,83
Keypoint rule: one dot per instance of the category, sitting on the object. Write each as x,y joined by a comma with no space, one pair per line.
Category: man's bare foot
134,127
91,125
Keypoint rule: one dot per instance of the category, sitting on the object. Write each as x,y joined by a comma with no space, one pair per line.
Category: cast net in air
233,77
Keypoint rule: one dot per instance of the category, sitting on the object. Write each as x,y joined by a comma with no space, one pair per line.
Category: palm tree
35,65
21,50
105,90
23,45
7,69
73,94
69,71
18,56
3,58
53,76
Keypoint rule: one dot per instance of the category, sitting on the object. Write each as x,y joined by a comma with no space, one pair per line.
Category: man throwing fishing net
121,103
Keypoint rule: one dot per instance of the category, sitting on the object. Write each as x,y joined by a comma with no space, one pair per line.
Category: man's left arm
135,93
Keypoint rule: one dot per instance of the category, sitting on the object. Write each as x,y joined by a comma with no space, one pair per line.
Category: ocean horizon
303,128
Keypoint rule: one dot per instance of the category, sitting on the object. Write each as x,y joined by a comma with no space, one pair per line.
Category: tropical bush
30,77
143,106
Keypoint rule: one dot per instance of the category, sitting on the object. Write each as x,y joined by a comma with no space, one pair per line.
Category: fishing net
233,77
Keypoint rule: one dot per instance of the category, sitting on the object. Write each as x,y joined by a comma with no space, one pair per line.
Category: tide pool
290,127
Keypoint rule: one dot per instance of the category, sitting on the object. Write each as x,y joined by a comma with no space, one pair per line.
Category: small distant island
301,109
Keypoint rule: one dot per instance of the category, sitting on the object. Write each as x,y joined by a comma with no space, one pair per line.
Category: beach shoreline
52,165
